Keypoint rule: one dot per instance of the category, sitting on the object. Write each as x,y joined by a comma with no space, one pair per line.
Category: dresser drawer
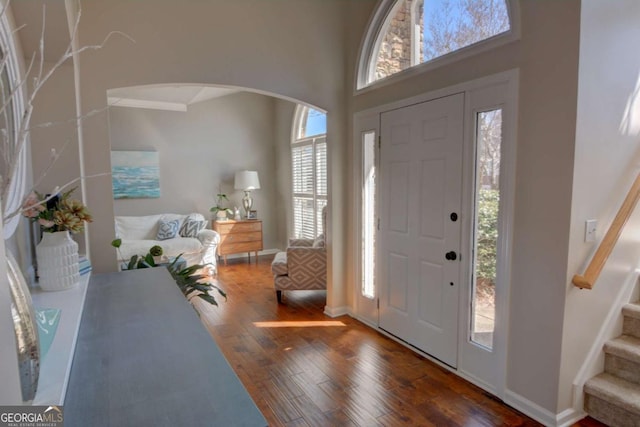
240,237
234,248
241,227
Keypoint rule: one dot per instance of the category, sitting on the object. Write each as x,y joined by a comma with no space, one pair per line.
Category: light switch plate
590,227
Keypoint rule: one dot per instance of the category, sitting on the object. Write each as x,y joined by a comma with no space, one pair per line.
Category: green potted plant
219,210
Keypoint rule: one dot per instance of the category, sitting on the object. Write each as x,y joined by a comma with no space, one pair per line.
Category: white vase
57,256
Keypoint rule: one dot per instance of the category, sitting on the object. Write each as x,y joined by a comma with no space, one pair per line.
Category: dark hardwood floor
303,368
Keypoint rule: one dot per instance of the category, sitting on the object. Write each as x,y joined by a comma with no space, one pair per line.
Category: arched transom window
412,32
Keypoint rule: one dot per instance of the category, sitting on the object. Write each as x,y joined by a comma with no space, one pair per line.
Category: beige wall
55,105
285,112
199,42
54,128
200,150
547,57
607,160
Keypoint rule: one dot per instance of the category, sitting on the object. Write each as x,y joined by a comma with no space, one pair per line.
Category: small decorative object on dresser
239,236
252,214
219,210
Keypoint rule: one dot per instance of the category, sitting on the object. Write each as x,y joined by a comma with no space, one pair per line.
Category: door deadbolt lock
451,256
453,216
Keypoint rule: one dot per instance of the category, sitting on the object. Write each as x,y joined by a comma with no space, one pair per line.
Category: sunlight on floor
298,324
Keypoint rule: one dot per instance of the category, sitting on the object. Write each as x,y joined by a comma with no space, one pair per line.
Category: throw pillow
191,227
167,229
319,241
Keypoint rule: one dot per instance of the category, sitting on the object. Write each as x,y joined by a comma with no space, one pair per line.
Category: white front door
420,224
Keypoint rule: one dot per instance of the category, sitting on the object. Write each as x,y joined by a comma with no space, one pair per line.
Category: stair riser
631,326
609,414
623,368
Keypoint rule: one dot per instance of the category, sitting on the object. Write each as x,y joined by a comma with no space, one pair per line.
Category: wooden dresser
239,236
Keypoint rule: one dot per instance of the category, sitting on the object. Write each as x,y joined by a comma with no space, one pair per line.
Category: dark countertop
144,358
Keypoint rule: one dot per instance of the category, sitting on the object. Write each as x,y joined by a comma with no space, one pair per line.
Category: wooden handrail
610,239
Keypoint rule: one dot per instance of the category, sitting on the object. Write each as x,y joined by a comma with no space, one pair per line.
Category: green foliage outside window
487,237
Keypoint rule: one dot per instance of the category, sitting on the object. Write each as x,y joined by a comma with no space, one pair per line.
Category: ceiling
175,97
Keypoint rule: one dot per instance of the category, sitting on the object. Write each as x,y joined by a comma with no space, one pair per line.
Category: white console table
55,367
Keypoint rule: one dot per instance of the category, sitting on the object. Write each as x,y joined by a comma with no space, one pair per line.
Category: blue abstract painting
135,174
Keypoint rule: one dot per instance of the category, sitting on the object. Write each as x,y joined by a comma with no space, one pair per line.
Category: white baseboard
529,408
336,311
569,417
363,320
477,382
244,254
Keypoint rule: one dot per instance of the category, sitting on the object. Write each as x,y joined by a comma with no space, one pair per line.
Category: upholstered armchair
303,266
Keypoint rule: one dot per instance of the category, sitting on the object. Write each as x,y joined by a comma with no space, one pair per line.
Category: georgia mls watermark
31,416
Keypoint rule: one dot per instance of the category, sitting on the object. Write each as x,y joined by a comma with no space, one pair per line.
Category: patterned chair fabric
302,267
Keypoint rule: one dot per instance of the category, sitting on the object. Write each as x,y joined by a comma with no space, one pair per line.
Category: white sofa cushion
137,227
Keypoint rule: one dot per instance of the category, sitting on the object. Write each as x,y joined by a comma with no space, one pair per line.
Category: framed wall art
135,174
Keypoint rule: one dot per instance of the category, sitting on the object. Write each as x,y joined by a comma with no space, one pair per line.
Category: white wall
200,150
607,160
547,57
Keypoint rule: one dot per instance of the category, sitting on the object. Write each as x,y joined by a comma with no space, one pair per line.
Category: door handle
451,256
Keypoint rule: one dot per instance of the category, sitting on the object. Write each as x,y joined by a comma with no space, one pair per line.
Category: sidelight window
487,209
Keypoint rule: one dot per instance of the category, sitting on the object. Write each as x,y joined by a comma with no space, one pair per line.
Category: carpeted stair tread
625,346
632,310
616,391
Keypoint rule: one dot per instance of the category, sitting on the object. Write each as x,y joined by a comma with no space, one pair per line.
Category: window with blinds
309,171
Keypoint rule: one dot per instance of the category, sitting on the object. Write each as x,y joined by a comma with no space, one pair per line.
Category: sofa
176,234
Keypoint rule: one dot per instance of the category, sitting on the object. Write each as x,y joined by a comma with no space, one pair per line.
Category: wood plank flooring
303,368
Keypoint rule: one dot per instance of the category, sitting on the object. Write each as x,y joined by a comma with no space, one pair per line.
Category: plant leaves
149,260
208,298
132,262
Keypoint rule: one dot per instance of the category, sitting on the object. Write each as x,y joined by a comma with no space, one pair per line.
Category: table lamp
247,181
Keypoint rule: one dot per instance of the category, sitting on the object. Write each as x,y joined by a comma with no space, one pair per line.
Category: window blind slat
309,172
321,168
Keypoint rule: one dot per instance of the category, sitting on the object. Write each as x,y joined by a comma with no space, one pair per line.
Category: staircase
613,397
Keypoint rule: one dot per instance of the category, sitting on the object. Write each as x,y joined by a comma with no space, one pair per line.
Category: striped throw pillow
191,227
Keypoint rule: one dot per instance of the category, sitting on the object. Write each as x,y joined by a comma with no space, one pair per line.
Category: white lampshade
247,180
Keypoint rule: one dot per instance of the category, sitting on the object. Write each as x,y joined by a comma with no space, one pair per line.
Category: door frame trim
511,79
